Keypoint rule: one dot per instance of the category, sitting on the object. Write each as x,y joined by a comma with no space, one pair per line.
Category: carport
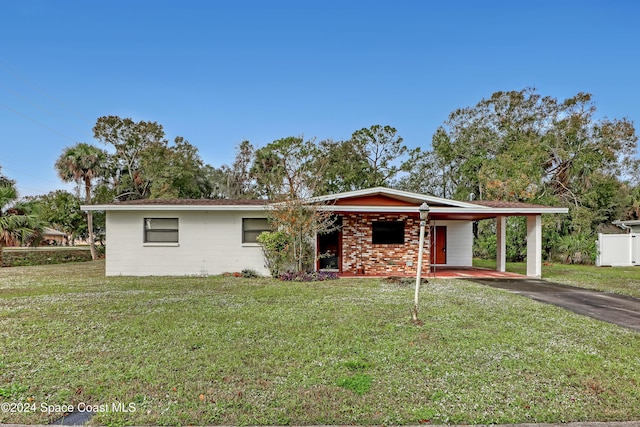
500,210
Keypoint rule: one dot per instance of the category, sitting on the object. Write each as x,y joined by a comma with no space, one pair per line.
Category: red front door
438,245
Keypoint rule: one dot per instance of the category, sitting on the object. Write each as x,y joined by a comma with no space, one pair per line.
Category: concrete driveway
618,309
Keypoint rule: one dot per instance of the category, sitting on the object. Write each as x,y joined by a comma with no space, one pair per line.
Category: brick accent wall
358,251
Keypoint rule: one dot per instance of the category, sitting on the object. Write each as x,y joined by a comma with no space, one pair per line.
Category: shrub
276,247
578,248
249,273
311,276
403,281
484,246
27,257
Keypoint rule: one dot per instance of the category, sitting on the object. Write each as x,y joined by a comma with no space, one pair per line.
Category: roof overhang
378,200
177,207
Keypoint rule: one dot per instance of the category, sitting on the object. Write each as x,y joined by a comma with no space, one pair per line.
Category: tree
429,175
300,221
235,181
216,179
579,148
521,146
145,165
347,167
129,139
83,163
17,224
240,184
383,150
61,210
288,168
481,145
174,171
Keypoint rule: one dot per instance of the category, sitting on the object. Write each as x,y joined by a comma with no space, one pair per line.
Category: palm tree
17,225
83,163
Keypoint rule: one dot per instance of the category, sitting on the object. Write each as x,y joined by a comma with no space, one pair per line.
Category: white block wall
210,242
459,242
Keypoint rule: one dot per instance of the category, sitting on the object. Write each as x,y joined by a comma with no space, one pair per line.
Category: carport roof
387,200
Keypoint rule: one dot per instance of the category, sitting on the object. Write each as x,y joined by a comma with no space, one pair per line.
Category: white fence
618,250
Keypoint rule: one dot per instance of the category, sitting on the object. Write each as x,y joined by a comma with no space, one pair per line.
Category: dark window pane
388,232
161,230
168,236
252,227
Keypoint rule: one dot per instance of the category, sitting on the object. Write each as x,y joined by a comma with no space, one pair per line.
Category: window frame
146,228
246,241
393,235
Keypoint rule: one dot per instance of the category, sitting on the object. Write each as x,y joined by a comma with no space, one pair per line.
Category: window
161,230
252,227
387,233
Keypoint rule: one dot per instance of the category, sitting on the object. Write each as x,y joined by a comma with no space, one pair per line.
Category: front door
438,245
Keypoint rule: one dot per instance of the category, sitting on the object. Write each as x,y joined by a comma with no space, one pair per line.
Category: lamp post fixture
424,214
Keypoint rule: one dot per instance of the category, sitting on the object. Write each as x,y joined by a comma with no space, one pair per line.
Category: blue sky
220,72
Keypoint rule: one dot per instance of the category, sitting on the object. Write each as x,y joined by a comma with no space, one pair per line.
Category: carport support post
501,249
534,246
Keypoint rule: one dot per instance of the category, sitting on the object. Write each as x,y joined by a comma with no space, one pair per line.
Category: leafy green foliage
19,222
580,248
381,147
347,169
239,181
276,247
373,157
308,276
287,168
145,165
249,273
521,146
61,210
83,163
15,258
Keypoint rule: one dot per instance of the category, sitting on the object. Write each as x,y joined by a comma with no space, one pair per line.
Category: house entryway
329,251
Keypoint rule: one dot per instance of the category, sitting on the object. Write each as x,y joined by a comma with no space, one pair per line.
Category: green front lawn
620,280
226,350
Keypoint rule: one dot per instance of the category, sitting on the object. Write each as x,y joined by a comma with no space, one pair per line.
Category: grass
620,280
227,350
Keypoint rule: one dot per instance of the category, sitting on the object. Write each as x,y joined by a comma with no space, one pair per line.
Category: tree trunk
92,245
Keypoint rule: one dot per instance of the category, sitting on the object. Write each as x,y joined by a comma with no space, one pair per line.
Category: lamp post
424,214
